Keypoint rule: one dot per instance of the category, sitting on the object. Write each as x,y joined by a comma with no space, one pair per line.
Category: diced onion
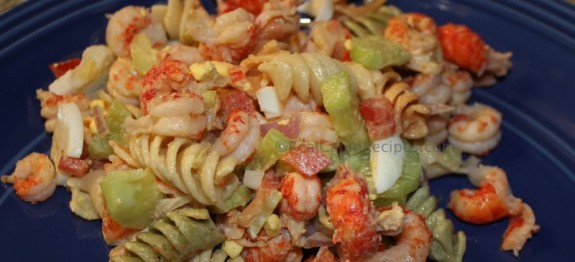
269,102
253,178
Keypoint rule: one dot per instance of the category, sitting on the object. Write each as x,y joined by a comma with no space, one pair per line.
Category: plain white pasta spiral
193,168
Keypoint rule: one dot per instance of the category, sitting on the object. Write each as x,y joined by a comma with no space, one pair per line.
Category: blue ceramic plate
537,100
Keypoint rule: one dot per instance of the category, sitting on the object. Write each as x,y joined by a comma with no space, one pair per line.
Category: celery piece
115,117
272,147
267,209
357,161
331,153
418,198
131,197
375,52
142,53
239,198
342,105
407,182
98,147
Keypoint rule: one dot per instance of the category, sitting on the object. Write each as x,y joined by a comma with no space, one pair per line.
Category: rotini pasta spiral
174,238
371,82
303,72
210,255
369,23
177,19
409,115
447,246
193,168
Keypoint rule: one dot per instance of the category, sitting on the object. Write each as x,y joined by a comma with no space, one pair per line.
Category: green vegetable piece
357,161
115,117
131,197
143,54
331,153
268,208
375,52
418,197
272,147
342,105
98,147
407,182
239,198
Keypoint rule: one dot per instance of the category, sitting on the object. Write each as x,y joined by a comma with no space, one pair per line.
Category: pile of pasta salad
259,134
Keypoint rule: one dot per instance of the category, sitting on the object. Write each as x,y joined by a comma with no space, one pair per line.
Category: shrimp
162,81
352,214
241,136
437,125
184,53
413,244
238,125
230,38
317,127
463,47
431,89
416,32
461,84
328,38
301,196
521,228
278,248
126,23
124,83
491,202
475,129
34,178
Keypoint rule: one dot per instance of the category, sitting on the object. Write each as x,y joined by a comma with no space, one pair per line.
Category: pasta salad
276,130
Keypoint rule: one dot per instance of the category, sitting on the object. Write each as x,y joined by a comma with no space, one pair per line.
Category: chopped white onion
269,102
253,178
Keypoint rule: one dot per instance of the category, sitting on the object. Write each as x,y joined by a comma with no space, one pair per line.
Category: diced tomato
306,159
463,47
232,100
379,117
113,231
73,166
290,126
60,68
253,6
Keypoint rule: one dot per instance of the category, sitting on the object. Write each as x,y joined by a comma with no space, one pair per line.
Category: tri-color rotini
177,237
447,246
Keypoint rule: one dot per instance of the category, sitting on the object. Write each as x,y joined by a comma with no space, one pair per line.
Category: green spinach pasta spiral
447,246
371,23
174,238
